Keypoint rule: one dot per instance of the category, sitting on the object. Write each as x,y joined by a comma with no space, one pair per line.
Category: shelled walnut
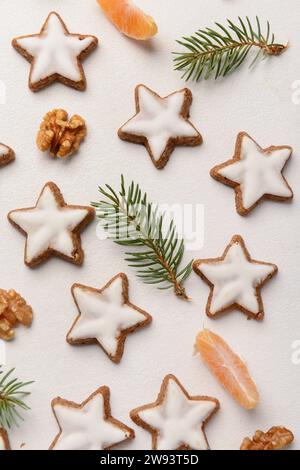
13,310
276,438
62,137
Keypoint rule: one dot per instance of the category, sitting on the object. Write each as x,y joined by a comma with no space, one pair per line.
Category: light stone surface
258,102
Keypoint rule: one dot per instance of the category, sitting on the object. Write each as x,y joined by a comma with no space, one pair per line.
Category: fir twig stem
269,49
133,221
217,52
178,287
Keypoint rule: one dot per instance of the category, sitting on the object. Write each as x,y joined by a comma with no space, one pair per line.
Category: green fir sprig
12,394
156,250
217,52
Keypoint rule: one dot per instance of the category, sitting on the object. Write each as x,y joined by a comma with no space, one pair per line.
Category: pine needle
155,248
12,393
220,51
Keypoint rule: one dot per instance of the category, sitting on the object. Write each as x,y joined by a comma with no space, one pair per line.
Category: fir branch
12,393
156,250
217,52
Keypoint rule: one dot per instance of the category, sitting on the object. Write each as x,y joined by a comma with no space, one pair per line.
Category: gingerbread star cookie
106,316
7,155
176,420
55,54
4,442
52,227
235,280
160,124
89,425
255,173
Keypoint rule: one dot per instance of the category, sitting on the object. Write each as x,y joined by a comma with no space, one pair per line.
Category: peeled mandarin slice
228,368
129,19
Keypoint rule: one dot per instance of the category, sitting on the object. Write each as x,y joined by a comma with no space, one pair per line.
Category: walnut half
13,310
60,135
276,438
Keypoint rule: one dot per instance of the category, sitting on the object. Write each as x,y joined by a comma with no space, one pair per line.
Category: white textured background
259,102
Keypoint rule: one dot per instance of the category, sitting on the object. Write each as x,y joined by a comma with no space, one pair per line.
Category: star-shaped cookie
176,420
4,442
88,426
106,316
7,155
55,54
161,123
52,227
235,280
255,173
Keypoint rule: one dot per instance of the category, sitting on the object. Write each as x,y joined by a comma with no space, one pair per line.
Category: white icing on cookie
159,119
258,172
235,280
48,225
103,315
4,150
55,51
86,428
179,420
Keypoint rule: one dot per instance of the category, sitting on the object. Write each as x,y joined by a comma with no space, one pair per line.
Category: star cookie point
7,155
176,420
4,441
89,425
52,227
106,316
235,280
255,173
161,123
55,54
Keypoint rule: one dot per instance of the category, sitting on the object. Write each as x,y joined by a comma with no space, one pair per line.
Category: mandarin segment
228,368
129,19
